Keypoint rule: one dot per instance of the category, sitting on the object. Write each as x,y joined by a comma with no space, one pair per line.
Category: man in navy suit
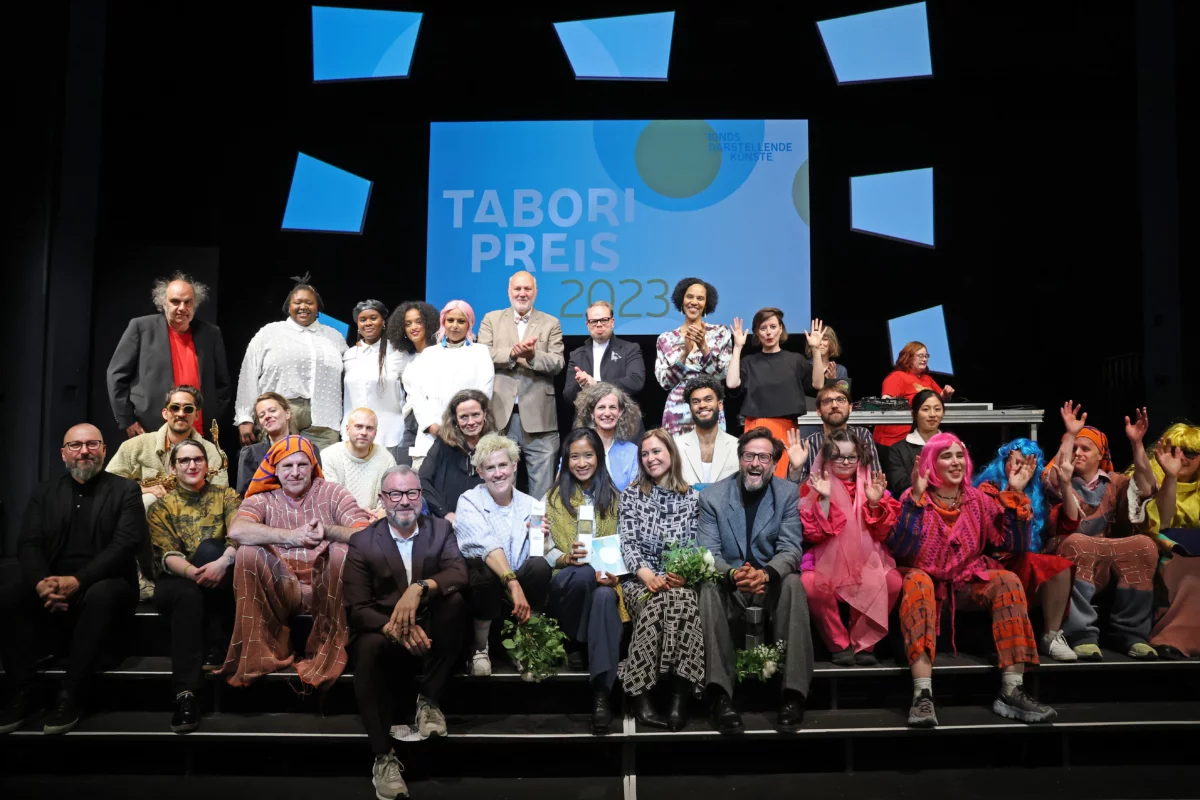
167,349
402,585
750,522
604,357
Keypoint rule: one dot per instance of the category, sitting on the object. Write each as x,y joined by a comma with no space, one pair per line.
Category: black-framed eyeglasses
762,458
840,459
600,321
834,401
90,444
411,494
186,408
187,461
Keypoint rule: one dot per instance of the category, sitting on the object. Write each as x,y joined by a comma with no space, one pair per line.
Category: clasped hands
309,535
659,583
56,591
403,629
749,580
524,349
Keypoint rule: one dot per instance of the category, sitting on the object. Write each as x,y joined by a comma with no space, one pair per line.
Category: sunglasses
186,408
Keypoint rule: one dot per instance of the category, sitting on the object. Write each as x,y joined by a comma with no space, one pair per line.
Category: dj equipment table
966,414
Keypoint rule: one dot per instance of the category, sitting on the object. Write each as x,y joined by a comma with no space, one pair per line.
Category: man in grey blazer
168,349
527,350
750,522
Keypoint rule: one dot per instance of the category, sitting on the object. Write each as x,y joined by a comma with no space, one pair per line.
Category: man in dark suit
620,362
77,548
168,349
402,585
750,522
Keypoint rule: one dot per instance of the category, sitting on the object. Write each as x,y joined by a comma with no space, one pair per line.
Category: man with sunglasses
402,585
604,357
147,455
76,550
833,405
750,522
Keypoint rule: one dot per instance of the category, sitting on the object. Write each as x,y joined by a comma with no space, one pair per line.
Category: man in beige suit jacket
527,349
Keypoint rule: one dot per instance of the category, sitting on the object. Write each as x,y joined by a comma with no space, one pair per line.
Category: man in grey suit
620,362
168,349
527,350
750,522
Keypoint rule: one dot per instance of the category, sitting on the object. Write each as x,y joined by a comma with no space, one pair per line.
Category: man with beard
168,349
750,522
707,453
76,551
833,404
357,463
402,584
147,455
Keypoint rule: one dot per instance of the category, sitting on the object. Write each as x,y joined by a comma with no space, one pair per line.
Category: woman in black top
774,381
447,471
927,411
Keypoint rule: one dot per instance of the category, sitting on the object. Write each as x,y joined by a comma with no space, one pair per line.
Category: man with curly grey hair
167,349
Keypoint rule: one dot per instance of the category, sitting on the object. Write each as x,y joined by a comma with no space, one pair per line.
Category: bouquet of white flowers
760,663
694,564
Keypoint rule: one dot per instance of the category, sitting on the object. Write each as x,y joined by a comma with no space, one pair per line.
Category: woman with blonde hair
615,417
660,511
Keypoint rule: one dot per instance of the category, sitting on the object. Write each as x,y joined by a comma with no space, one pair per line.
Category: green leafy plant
536,645
694,564
760,663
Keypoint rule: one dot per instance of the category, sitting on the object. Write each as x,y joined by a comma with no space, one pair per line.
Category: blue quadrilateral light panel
636,47
879,45
341,327
928,327
361,43
898,205
325,198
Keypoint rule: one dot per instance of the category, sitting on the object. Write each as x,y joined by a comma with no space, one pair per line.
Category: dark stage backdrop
1030,124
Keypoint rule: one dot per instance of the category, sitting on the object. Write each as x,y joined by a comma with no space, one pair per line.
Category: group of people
380,490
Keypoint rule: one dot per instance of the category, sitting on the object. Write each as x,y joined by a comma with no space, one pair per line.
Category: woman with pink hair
944,529
847,514
455,363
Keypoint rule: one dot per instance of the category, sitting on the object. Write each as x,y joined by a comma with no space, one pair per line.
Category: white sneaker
386,778
481,664
430,719
1054,644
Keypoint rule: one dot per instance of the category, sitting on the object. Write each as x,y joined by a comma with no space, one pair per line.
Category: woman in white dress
300,359
410,329
371,375
455,363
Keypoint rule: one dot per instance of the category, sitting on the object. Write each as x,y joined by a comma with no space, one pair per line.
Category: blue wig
995,473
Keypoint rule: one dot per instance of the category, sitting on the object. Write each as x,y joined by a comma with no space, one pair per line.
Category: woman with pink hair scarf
455,363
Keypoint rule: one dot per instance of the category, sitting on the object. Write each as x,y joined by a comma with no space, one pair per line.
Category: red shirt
905,385
185,366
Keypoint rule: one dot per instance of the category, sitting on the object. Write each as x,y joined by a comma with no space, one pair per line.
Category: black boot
677,713
601,713
725,718
187,713
645,712
791,712
65,715
24,705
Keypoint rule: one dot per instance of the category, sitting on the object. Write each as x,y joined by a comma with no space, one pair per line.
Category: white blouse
433,377
295,361
362,388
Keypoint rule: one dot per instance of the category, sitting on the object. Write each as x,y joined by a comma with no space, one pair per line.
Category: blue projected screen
928,327
621,210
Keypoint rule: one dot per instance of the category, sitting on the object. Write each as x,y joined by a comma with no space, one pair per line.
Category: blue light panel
927,327
632,47
325,198
361,43
879,45
898,205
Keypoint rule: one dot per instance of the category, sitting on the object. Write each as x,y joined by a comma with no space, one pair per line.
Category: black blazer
623,366
140,372
373,578
118,529
901,459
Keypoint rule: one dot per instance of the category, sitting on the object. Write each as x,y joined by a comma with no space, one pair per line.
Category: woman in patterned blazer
657,511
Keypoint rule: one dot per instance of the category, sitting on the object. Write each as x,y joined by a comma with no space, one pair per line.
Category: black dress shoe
725,717
601,713
866,658
677,713
65,714
791,713
645,712
1164,651
844,658
187,713
214,659
25,704
575,662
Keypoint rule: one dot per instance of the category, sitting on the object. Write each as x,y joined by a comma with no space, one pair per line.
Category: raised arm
1136,432
1171,460
734,377
814,335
